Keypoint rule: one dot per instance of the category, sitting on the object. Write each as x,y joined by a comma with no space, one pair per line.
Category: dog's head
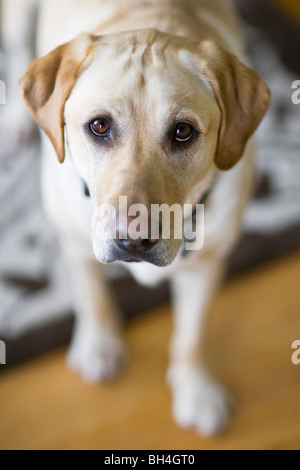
144,115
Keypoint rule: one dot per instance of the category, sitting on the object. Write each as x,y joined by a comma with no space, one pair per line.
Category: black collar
202,201
183,252
86,190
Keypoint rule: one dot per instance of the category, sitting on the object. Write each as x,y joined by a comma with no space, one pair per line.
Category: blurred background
263,277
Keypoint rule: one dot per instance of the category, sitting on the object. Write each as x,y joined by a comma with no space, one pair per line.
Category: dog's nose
142,241
136,246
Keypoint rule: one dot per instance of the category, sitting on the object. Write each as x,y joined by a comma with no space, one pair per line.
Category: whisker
185,96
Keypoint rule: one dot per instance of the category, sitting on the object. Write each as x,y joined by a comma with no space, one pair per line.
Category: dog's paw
199,403
96,356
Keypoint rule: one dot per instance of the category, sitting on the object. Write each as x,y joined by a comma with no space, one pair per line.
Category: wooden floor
254,321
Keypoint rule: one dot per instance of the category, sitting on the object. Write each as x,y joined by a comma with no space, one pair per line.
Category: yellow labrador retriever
152,101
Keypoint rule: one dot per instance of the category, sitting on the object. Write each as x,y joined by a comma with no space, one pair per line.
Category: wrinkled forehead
141,73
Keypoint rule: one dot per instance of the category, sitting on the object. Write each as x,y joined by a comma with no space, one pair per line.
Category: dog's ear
48,84
243,99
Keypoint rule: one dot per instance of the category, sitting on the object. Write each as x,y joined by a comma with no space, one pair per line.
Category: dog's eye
100,127
183,132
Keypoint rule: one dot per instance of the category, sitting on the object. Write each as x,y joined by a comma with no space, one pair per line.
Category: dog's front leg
97,351
198,401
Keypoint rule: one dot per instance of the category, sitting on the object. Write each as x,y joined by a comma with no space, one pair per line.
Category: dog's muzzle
137,245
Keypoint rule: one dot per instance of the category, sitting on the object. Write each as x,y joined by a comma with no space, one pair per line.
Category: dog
154,101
